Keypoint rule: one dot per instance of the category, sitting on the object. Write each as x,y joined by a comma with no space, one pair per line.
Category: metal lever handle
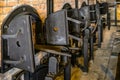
74,37
55,52
74,20
12,36
14,62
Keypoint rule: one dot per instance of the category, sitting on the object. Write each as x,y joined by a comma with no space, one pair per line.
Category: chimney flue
50,6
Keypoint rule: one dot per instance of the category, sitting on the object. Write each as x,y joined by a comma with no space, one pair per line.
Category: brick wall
7,5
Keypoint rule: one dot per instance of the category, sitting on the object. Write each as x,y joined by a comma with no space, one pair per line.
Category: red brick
40,9
6,10
1,10
0,27
0,24
0,31
2,3
12,3
24,2
58,1
42,1
58,6
35,2
42,16
67,1
42,6
2,17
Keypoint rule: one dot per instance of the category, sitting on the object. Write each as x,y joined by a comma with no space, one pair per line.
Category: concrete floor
104,65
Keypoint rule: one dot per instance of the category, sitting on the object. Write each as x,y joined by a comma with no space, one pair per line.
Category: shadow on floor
118,69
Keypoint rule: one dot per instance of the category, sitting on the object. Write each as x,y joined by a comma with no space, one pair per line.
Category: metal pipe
50,6
91,44
67,72
87,1
76,38
115,14
76,4
85,50
74,20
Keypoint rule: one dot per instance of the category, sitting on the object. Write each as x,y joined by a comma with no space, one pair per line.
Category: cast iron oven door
57,28
17,45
